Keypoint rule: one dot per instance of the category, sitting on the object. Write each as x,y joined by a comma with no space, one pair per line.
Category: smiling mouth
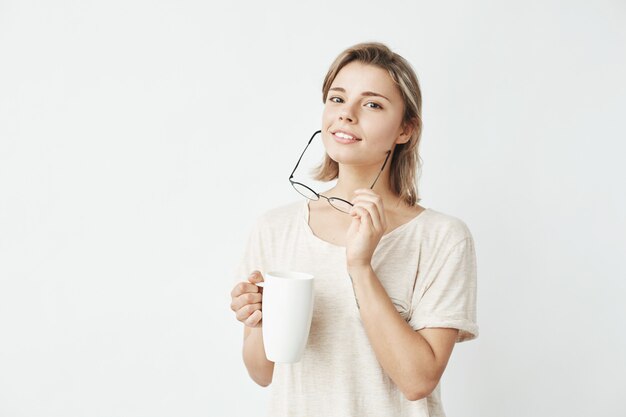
344,139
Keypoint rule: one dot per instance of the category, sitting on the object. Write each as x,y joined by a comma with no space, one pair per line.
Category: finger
374,211
244,312
242,288
364,216
370,195
254,319
256,276
243,299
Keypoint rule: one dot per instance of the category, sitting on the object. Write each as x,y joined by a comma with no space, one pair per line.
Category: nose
346,114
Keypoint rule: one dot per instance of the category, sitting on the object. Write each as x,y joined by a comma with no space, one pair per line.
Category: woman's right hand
247,300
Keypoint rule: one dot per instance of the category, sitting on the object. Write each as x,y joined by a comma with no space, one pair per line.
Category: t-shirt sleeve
253,256
449,299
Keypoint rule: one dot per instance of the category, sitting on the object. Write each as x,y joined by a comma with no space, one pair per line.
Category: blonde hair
405,164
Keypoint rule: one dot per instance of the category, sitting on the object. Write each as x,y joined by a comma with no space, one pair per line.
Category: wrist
359,269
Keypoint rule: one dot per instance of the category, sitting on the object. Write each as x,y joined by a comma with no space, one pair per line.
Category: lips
345,132
344,140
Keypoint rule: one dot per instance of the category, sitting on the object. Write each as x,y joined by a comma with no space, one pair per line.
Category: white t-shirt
428,269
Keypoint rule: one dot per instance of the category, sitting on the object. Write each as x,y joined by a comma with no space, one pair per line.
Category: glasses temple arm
381,170
299,159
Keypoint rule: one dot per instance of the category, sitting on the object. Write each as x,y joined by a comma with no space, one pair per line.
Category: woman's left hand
367,228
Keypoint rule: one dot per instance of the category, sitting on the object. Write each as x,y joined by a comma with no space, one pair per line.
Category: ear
405,134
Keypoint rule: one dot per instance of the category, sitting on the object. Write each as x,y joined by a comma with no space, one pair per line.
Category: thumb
255,277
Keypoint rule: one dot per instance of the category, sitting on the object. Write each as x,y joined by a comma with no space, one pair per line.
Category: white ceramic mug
287,313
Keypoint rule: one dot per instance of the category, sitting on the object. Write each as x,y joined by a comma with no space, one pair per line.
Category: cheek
325,138
326,113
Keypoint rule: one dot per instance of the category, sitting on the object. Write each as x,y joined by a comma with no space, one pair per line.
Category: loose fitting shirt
428,269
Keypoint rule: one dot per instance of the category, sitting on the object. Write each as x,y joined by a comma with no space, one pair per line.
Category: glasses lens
340,204
305,191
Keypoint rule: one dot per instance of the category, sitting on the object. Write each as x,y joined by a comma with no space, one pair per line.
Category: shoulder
444,227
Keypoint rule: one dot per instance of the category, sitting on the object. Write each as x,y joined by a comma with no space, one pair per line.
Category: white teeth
343,135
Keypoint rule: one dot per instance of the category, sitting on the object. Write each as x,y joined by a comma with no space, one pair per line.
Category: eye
375,104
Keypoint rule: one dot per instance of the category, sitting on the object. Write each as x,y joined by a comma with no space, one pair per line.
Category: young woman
395,282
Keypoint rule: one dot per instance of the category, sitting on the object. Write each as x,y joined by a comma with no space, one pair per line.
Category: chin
344,156
339,152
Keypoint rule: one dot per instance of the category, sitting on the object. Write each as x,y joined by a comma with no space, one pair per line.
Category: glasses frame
329,199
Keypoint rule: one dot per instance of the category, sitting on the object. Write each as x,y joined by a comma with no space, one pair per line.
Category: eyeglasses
338,203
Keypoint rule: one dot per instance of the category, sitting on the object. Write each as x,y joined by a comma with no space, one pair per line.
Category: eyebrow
364,93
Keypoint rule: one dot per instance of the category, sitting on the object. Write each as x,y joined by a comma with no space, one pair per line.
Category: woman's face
364,102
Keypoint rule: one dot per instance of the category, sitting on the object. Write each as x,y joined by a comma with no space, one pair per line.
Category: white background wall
139,140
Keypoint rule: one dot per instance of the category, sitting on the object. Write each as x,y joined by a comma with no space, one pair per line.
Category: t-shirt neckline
305,219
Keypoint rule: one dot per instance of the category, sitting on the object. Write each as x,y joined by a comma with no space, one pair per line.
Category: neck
352,178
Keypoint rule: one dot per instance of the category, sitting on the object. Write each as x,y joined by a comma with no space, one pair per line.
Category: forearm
403,353
259,367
